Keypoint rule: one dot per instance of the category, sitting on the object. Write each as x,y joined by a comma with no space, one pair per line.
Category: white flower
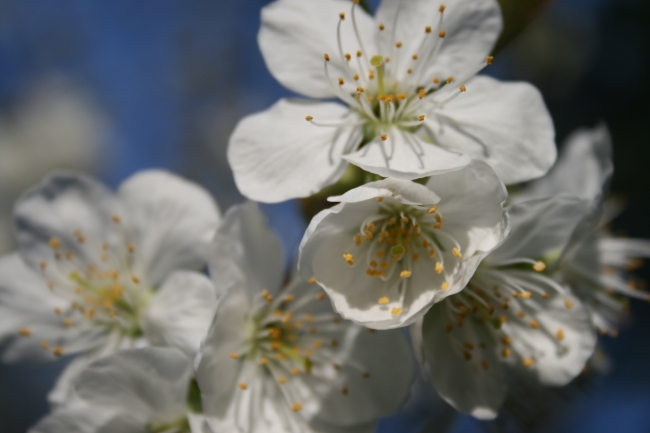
597,265
133,391
98,272
278,359
511,314
413,105
392,248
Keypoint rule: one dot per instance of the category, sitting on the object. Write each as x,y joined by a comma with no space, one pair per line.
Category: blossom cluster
181,319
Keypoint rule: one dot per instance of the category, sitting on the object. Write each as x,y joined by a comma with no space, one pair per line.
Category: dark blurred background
114,86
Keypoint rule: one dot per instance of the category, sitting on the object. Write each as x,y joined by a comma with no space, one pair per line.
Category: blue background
173,77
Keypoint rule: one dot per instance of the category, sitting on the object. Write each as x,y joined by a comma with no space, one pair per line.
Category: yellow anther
131,247
539,266
383,137
457,253
286,318
344,391
421,93
69,255
560,334
373,264
383,300
359,53
436,80
534,324
356,77
43,264
312,280
506,352
449,80
296,407
349,258
427,29
295,371
445,285
264,360
401,96
320,296
289,298
380,199
45,344
341,81
116,219
243,386
439,268
233,355
25,332
568,303
381,27
57,351
506,340
282,380
414,56
357,239
468,345
525,295
409,70
489,60
55,243
442,8
342,15
57,310
384,265
521,314
326,57
442,34
462,88
528,362
309,118
396,310
421,117
398,44
415,257
405,274
67,323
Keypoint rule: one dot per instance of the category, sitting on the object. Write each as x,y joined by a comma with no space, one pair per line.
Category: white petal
471,380
61,204
404,191
150,384
505,124
583,168
295,35
27,304
216,372
413,158
180,313
171,221
471,26
619,251
557,358
246,252
79,418
540,228
277,155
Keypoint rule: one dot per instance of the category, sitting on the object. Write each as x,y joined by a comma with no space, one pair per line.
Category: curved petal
541,229
29,327
150,384
59,206
405,191
180,313
246,252
79,418
296,33
406,156
171,222
276,155
583,168
471,27
506,125
471,380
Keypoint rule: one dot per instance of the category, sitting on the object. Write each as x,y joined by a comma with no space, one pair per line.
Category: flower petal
405,191
506,125
276,155
81,418
471,27
246,252
471,380
583,168
412,158
171,221
60,205
150,384
296,33
180,313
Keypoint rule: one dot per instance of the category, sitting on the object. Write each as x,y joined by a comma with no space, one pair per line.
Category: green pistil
378,62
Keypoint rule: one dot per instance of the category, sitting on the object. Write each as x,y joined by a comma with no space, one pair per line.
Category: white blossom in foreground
98,272
512,313
391,249
413,104
598,265
278,359
133,391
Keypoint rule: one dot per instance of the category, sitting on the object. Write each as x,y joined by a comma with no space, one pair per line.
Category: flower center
392,242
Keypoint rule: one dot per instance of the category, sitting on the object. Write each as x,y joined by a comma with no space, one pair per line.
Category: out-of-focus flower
55,126
413,103
393,248
98,272
278,359
143,390
511,313
597,265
